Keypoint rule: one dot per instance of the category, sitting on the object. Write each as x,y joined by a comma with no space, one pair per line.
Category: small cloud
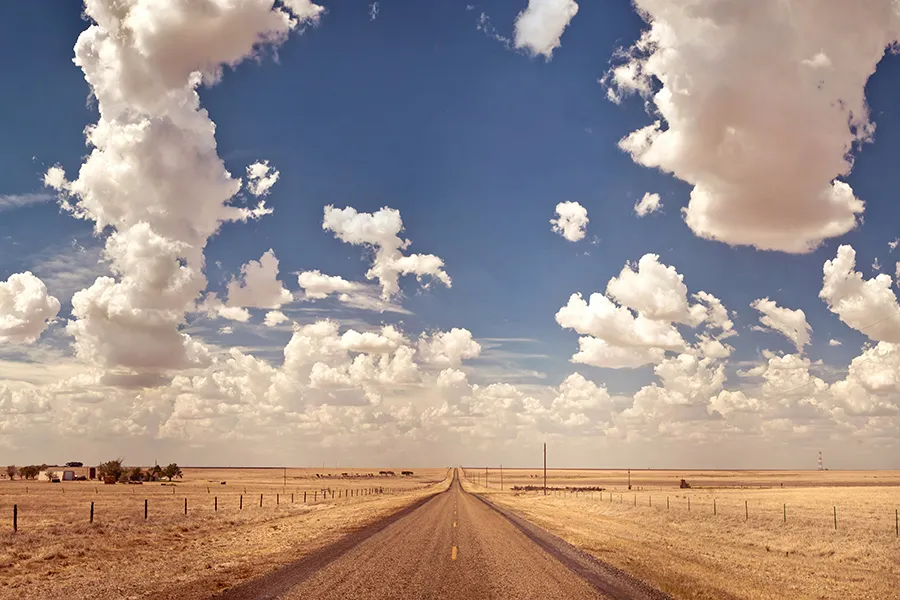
540,26
893,245
650,203
13,201
227,330
373,11
484,25
834,343
876,265
571,221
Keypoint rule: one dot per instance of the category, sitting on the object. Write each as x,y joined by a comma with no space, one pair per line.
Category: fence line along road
711,509
94,509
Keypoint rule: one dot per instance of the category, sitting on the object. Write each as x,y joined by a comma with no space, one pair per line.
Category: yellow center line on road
453,553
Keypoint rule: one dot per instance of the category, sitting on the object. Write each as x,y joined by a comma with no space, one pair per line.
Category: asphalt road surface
451,545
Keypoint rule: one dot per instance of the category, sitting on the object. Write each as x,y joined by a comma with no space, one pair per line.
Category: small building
68,475
49,475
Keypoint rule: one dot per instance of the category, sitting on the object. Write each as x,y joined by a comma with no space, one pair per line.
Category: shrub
112,468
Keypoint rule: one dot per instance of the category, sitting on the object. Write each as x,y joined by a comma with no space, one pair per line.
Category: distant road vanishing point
449,545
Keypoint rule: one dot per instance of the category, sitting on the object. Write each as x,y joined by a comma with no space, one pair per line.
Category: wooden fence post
304,497
145,509
667,503
835,517
260,500
785,512
897,521
689,505
277,499
15,518
241,505
714,507
185,507
746,511
292,498
215,504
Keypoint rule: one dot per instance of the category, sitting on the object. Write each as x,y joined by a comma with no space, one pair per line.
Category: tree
171,471
111,468
29,472
11,471
136,474
74,463
154,473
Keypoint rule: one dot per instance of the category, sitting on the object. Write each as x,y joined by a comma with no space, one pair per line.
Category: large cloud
540,26
379,231
25,308
867,305
153,175
761,106
790,323
640,329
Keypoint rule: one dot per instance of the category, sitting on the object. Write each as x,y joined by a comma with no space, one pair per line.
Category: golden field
57,553
747,535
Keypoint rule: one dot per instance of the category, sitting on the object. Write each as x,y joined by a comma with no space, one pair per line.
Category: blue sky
422,109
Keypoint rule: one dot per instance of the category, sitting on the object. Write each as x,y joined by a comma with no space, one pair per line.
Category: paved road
453,545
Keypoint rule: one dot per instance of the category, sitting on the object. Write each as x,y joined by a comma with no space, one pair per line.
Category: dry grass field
748,535
57,553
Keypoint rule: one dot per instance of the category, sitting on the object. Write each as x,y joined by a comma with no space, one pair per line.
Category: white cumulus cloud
540,26
650,203
790,323
379,231
153,175
25,308
261,177
448,348
867,305
275,318
571,221
641,329
761,105
258,285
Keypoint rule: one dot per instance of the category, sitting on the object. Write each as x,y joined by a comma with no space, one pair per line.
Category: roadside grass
58,554
723,548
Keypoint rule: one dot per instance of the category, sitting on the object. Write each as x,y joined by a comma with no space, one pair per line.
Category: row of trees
29,472
117,470
111,468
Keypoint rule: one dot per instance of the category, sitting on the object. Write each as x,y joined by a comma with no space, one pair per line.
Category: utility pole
545,468
629,479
